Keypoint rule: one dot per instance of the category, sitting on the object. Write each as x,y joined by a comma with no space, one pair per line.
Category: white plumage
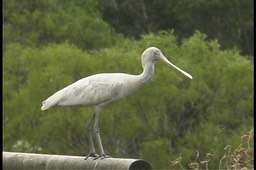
103,89
96,90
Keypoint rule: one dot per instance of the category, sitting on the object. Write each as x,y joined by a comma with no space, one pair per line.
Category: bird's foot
102,156
94,154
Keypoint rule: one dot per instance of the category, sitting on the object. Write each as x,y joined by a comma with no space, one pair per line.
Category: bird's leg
98,138
90,132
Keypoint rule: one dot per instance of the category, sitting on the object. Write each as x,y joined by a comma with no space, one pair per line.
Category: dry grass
241,158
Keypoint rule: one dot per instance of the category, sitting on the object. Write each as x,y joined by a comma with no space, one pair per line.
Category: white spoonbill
103,89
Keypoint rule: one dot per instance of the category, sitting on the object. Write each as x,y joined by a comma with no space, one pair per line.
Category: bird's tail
51,101
43,106
48,103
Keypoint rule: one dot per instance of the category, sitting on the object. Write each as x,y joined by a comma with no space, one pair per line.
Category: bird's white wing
99,89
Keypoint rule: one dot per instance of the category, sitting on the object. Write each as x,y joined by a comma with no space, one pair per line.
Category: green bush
37,23
169,116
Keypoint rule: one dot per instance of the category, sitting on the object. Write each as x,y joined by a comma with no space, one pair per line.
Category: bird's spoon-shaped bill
162,57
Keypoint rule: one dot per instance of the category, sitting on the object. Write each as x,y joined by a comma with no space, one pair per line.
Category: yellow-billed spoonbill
103,89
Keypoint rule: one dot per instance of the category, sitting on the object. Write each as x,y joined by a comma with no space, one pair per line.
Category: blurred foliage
49,44
231,22
234,157
170,115
39,22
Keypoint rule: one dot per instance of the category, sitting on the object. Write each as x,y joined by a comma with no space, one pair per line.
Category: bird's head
152,54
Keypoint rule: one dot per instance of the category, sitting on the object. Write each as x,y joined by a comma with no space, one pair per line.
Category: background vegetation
50,44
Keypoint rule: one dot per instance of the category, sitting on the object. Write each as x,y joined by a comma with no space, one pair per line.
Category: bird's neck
148,72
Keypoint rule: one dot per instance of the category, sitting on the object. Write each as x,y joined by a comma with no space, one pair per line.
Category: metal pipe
16,160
